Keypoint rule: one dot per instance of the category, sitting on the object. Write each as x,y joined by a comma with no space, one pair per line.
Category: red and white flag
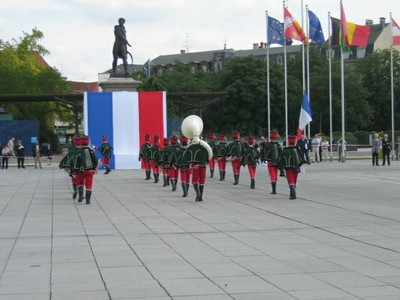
395,33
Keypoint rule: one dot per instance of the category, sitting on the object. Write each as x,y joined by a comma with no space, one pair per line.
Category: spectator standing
36,152
340,150
5,155
386,149
11,146
316,143
49,154
20,152
325,150
376,145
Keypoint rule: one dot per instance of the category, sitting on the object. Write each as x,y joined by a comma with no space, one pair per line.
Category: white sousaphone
192,127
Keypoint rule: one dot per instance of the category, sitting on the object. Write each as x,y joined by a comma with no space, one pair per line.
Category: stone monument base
118,84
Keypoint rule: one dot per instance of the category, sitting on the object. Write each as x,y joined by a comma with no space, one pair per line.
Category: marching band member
250,158
143,156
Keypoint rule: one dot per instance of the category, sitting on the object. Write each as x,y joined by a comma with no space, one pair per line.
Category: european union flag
275,31
315,32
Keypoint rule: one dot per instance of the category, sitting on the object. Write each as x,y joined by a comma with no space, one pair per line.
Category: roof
40,59
188,57
82,87
263,51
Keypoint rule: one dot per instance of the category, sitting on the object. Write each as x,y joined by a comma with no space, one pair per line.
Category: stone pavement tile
86,273
310,265
374,291
222,269
118,261
65,241
72,254
244,284
296,282
136,289
263,296
330,293
20,296
203,297
81,295
322,250
174,272
261,265
125,273
372,252
345,279
191,287
390,280
24,287
114,250
85,284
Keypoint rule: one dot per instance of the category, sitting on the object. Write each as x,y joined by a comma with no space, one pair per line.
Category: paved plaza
340,239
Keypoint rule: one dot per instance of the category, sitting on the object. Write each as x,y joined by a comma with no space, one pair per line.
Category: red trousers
199,174
105,161
85,178
185,174
221,163
273,172
252,170
154,166
173,172
147,165
291,176
235,165
211,163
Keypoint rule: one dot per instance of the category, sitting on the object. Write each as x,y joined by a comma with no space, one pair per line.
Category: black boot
108,170
75,189
201,192
197,190
221,176
148,175
253,183
236,176
165,180
88,195
273,184
211,173
174,183
168,180
187,187
80,193
156,177
292,191
184,189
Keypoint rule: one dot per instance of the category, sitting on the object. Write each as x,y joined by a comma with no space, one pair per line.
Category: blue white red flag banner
125,118
395,33
305,115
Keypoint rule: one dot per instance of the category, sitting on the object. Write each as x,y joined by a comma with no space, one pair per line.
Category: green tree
22,73
374,73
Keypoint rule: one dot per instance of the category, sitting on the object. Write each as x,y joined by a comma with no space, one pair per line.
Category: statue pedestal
118,84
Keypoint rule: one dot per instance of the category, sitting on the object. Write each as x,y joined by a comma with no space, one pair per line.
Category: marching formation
187,159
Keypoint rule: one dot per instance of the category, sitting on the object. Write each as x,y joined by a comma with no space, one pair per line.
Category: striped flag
125,118
305,115
293,28
395,33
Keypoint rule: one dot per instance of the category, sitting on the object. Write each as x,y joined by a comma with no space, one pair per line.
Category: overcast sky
80,33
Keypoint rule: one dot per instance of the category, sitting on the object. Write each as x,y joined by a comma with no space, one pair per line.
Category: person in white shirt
316,143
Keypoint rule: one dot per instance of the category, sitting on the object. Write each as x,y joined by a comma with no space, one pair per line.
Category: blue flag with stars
315,32
275,31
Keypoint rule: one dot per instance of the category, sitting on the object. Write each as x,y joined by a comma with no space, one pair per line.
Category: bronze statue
120,49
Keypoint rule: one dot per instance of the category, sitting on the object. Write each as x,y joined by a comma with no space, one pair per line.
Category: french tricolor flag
305,115
125,118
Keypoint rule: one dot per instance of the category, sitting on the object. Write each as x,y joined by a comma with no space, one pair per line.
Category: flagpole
392,81
268,85
330,85
342,89
285,72
308,67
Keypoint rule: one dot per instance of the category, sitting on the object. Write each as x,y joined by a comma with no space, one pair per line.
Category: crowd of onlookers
17,150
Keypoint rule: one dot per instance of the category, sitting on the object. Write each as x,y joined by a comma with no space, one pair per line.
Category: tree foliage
21,72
